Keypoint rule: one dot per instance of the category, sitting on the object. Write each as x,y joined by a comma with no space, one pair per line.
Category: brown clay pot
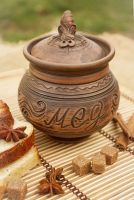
69,90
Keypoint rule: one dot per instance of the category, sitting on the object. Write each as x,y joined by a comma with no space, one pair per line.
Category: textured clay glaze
69,90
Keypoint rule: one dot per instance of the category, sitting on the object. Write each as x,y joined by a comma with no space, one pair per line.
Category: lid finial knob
67,30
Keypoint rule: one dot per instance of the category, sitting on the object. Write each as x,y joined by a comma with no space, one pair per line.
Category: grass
25,19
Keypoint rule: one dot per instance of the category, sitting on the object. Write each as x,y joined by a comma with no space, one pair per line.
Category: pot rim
50,66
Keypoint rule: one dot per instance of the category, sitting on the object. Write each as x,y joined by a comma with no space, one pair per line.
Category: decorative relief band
33,83
61,116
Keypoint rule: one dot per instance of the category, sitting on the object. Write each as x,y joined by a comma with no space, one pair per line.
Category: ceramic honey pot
69,90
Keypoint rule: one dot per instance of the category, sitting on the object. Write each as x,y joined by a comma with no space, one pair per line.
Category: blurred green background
25,19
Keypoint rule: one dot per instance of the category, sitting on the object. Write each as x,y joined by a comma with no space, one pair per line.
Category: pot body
69,110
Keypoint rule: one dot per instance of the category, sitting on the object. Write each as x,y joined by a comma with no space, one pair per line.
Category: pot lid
68,47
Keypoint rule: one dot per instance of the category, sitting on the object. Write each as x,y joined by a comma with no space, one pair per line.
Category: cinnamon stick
130,125
122,141
118,118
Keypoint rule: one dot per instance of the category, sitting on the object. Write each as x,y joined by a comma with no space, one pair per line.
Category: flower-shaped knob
67,30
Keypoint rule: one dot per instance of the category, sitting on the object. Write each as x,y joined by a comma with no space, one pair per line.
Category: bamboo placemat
117,183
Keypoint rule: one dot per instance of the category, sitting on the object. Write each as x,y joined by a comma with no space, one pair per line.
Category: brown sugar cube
98,163
81,165
111,154
2,191
16,189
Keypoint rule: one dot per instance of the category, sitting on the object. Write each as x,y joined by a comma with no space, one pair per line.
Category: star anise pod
51,184
55,173
14,134
55,188
44,187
